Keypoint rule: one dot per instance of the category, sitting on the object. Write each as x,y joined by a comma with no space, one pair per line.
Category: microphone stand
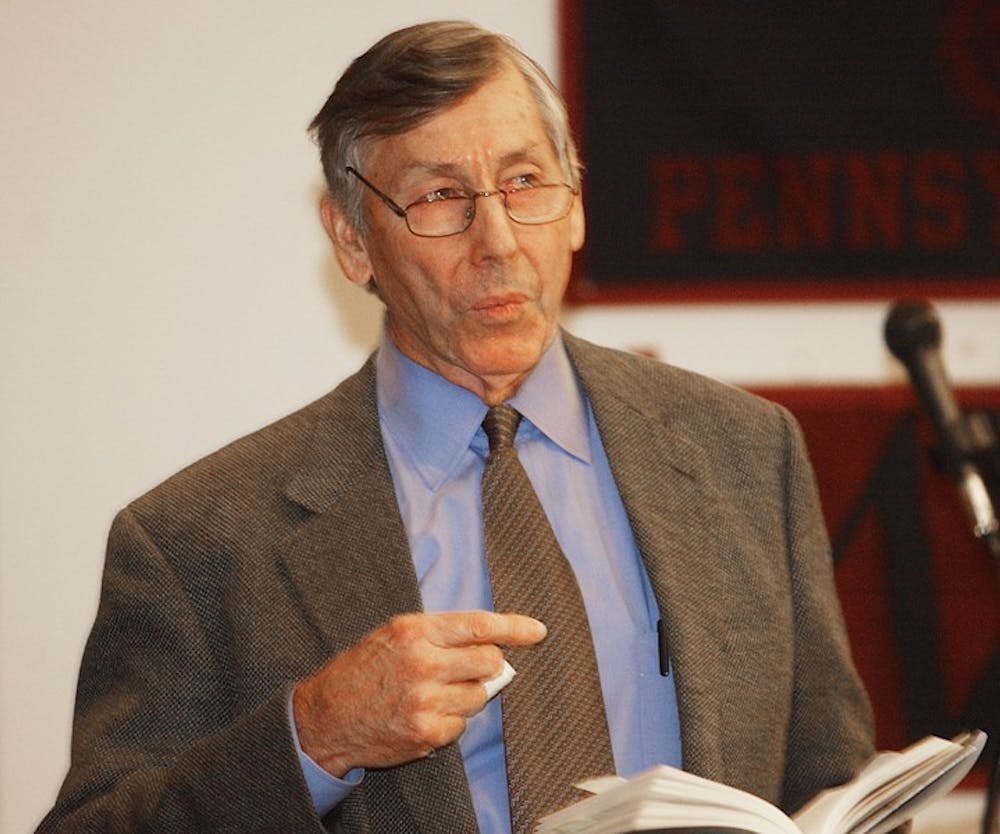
991,539
977,472
979,477
968,451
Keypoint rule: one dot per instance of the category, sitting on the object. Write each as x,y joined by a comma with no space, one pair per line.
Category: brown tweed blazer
245,571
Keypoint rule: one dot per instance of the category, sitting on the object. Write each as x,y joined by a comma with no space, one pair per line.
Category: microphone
913,335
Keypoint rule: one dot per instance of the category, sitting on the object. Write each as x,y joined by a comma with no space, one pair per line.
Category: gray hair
407,78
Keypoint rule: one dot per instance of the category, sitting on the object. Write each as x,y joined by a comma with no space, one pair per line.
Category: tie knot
500,425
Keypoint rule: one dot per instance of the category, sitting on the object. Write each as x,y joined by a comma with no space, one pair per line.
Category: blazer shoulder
666,391
675,409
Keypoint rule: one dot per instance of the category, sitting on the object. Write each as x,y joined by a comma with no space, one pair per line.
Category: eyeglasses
450,211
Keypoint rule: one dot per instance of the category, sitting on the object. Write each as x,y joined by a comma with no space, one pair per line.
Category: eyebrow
452,169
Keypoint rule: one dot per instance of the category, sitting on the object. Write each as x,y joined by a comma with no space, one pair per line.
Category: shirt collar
434,422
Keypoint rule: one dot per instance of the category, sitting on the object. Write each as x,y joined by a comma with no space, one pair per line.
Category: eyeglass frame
399,211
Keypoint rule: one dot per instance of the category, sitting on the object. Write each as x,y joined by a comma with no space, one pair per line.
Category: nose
492,227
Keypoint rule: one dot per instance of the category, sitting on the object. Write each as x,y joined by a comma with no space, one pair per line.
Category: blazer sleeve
830,734
158,745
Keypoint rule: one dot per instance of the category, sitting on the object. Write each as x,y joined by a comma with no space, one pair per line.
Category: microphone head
912,324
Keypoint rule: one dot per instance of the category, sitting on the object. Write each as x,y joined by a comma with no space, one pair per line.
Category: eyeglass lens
530,206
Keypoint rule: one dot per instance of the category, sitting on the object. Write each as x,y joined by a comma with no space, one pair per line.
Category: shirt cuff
327,791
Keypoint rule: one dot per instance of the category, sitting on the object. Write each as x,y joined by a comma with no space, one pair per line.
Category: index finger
470,628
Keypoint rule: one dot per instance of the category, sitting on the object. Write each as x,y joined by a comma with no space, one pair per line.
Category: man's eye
439,194
522,181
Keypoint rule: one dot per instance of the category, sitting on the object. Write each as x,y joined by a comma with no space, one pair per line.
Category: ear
577,224
347,242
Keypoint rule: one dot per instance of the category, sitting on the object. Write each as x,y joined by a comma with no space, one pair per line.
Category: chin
506,351
507,360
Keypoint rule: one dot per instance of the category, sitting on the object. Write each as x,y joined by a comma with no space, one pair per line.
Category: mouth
500,306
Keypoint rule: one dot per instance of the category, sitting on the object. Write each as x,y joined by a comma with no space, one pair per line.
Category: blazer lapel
351,565
349,560
660,474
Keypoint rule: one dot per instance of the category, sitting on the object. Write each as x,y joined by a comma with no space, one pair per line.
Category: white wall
166,287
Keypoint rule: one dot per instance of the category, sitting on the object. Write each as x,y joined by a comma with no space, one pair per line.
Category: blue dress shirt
436,448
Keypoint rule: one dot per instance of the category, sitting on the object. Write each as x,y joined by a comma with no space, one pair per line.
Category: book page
934,782
888,791
665,798
890,781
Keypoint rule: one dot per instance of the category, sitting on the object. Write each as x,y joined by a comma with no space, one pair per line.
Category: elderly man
301,632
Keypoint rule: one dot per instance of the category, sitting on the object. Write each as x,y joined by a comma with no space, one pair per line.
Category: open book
887,792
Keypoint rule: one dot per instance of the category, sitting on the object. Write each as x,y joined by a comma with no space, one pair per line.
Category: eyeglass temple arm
394,207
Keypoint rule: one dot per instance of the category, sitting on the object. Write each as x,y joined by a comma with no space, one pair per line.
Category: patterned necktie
554,725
